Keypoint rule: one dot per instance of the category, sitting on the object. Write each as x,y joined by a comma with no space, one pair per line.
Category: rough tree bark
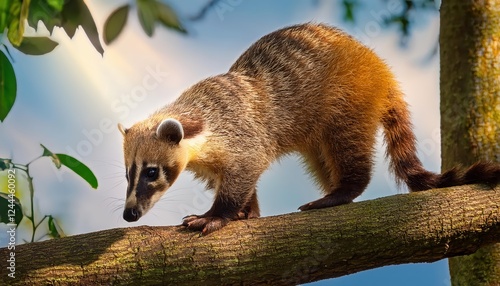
281,250
470,108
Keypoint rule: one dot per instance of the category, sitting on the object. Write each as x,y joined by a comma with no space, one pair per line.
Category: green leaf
147,13
15,38
349,7
19,13
56,4
70,18
73,164
168,17
36,45
41,11
25,7
79,168
54,229
5,164
76,13
152,11
115,23
4,14
15,33
8,86
54,157
69,15
10,205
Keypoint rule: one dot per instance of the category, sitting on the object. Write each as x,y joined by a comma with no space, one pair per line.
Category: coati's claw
305,207
188,218
325,202
205,224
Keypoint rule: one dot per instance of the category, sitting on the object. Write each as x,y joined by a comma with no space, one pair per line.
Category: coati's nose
131,214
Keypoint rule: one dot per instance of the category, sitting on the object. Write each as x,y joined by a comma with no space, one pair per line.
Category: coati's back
308,88
313,73
294,81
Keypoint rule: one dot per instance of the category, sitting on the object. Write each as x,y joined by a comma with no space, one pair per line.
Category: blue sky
67,99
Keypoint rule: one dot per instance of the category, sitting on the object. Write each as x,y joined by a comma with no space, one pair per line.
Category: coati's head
154,157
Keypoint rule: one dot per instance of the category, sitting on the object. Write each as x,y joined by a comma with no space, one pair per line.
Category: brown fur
310,89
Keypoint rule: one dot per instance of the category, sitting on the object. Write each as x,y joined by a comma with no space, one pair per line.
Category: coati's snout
153,160
131,214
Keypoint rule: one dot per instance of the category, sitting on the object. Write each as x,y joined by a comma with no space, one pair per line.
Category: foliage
8,86
404,20
149,13
10,203
53,13
11,209
68,15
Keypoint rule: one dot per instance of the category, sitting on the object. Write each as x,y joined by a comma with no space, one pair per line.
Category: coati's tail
401,148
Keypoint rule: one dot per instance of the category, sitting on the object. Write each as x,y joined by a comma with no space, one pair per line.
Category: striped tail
404,163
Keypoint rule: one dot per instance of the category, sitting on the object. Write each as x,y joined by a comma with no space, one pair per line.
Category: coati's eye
152,173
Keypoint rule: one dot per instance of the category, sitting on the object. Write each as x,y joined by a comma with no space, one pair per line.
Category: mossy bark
282,250
470,108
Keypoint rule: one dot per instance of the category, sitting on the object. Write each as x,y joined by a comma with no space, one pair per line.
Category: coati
308,88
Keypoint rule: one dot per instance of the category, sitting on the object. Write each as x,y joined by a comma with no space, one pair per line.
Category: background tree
470,108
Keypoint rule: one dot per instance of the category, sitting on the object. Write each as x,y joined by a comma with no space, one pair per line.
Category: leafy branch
11,211
68,15
53,13
404,19
149,12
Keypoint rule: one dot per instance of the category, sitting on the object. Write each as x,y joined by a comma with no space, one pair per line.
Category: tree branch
280,250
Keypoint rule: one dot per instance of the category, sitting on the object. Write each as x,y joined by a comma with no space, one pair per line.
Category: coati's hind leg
343,168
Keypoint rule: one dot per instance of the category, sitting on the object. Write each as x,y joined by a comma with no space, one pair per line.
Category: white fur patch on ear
170,130
122,129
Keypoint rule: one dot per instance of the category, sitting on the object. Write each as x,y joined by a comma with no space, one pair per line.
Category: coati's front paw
206,225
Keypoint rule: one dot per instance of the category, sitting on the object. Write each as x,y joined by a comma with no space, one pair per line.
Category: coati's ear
170,130
122,129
